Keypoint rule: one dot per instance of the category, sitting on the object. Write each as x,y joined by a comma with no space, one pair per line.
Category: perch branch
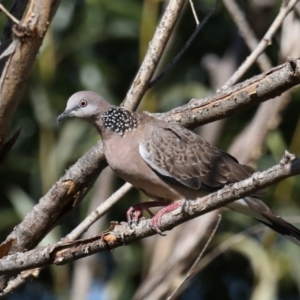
285,9
119,235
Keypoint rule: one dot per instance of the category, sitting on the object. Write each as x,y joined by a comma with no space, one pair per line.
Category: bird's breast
123,157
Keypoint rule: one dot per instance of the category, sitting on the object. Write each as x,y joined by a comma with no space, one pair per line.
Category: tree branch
251,92
156,48
98,212
247,33
22,45
191,272
285,9
62,253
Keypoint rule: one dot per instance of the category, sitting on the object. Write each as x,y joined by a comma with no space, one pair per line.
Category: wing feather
178,153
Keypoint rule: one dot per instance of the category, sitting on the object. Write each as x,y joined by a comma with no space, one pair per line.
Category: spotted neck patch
119,120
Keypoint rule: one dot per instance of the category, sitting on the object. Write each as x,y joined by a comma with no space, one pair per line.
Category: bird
167,162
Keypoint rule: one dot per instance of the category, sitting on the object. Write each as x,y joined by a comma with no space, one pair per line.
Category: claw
154,223
156,219
134,213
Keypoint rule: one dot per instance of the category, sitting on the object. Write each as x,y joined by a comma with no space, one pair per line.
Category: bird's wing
181,155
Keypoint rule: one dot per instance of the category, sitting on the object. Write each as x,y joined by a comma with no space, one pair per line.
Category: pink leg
155,221
135,211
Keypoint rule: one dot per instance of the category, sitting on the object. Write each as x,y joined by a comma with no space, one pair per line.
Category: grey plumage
168,162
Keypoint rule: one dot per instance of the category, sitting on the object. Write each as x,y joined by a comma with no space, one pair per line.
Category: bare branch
248,144
22,277
285,9
227,244
191,271
156,48
83,269
9,15
26,40
194,12
98,212
232,100
63,253
247,33
185,47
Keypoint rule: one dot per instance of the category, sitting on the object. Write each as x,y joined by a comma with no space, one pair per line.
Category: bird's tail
257,209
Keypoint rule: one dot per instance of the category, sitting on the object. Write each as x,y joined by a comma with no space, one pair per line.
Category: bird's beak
65,114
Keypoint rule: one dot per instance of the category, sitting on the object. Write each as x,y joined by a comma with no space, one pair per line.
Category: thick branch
19,55
59,201
251,92
285,9
62,253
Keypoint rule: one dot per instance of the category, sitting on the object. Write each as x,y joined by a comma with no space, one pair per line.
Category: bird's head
85,105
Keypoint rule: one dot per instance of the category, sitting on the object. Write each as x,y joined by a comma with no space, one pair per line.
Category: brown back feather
176,152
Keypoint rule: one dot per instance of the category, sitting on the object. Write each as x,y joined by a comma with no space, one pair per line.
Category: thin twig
265,41
98,213
247,33
9,15
224,246
155,51
185,47
194,12
83,274
191,271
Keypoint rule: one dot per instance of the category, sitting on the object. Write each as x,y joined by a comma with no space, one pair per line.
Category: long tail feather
258,210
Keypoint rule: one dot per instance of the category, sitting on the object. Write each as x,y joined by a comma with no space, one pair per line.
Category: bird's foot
155,221
134,213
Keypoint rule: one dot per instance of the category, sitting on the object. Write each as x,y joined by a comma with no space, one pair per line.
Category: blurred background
99,45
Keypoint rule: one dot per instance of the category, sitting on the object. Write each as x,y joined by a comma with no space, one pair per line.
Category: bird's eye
83,103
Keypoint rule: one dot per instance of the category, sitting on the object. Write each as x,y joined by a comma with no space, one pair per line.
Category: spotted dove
167,162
